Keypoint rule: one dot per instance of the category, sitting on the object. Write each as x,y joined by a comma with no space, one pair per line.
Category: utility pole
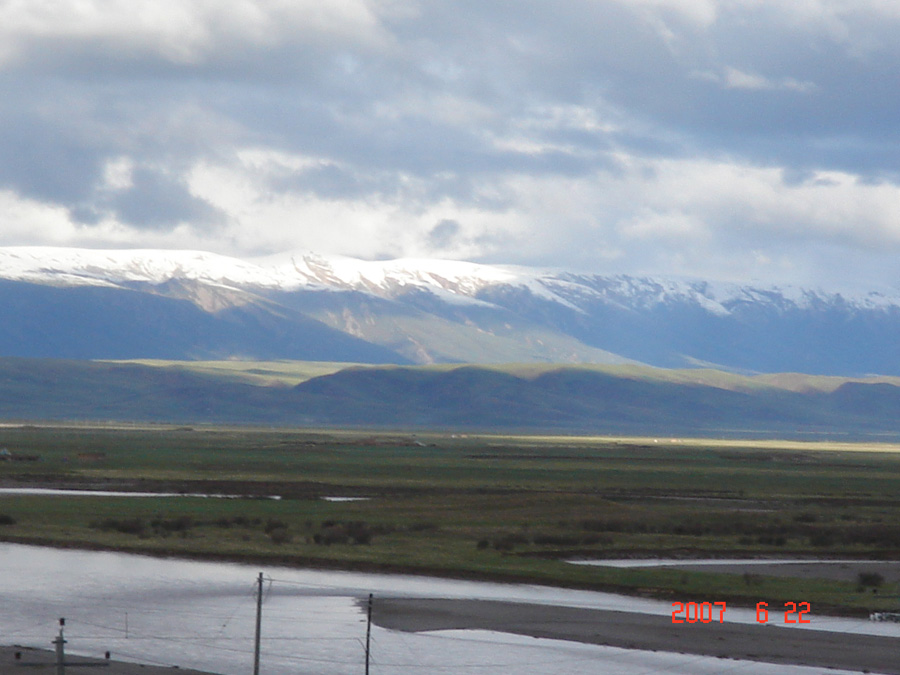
259,593
60,643
60,650
368,633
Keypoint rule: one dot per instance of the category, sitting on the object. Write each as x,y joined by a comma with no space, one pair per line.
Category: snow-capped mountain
386,279
188,304
89,267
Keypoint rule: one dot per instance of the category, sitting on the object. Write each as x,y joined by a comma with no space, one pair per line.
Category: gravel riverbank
630,630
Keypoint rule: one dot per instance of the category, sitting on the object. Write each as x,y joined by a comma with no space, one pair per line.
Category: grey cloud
342,103
329,181
443,234
56,139
44,157
159,201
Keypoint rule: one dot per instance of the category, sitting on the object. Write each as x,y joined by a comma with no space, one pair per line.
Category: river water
202,615
55,492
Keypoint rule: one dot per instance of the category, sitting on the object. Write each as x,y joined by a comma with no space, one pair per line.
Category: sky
742,140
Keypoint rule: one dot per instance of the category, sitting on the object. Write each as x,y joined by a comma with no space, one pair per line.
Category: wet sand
766,643
37,661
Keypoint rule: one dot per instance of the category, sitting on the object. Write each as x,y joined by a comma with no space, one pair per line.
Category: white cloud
262,221
118,174
674,226
556,129
758,203
26,221
738,79
183,31
699,208
820,13
698,217
699,12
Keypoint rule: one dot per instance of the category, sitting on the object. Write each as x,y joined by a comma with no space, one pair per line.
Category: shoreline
34,659
314,563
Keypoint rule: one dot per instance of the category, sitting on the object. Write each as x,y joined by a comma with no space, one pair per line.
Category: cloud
441,236
728,136
736,79
699,12
156,200
185,32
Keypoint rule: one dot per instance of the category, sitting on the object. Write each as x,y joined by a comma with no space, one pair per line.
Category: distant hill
574,399
93,322
71,303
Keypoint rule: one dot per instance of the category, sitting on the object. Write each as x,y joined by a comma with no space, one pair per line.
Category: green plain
490,507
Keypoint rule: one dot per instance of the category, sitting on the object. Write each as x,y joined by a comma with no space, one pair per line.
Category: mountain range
126,304
610,400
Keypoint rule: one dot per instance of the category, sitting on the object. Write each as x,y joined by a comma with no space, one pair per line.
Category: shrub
603,526
273,524
280,535
178,524
6,519
331,535
774,540
875,535
594,539
557,539
821,539
510,541
359,532
241,521
872,579
125,526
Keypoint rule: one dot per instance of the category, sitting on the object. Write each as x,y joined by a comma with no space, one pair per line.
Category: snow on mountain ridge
110,267
451,281
460,276
721,297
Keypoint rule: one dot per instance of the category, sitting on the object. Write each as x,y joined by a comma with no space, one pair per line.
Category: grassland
260,373
498,507
291,373
543,398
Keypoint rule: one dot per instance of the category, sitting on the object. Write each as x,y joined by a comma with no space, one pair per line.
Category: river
201,615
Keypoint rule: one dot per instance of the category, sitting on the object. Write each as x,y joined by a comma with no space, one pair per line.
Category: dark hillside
567,400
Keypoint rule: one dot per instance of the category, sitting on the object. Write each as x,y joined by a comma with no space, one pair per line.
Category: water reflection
55,492
201,615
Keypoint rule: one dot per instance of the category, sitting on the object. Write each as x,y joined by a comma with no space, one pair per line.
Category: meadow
509,508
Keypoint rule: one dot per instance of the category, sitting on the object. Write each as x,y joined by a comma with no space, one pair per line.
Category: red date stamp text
708,612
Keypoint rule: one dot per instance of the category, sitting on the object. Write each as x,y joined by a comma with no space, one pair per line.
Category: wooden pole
60,650
259,593
368,633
